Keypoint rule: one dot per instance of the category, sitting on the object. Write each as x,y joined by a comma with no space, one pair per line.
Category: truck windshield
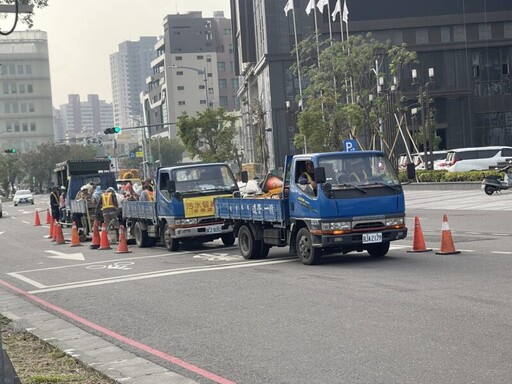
204,178
362,171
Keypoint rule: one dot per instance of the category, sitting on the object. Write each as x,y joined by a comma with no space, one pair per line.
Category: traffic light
10,150
108,131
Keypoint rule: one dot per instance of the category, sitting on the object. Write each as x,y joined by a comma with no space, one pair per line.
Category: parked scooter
491,184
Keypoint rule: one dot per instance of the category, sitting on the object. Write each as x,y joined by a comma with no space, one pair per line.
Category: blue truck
72,175
182,210
358,205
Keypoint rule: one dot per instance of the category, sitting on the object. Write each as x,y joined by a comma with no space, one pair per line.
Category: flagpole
297,56
329,14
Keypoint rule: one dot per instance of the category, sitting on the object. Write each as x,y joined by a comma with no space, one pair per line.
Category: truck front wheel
378,250
228,239
170,243
307,253
141,236
249,247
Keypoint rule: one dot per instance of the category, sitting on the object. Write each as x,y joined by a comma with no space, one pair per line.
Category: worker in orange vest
108,207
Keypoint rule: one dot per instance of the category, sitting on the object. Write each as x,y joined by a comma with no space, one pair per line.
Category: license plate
372,238
214,229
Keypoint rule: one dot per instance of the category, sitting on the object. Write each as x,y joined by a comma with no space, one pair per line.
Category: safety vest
151,196
55,199
308,176
107,202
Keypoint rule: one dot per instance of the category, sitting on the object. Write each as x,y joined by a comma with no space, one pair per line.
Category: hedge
445,176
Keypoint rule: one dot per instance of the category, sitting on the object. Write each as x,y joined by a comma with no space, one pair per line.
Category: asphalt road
210,316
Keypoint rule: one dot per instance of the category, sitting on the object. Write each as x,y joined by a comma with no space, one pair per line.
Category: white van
477,158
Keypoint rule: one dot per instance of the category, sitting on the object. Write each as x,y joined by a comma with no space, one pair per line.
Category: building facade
466,42
193,70
81,119
130,66
26,118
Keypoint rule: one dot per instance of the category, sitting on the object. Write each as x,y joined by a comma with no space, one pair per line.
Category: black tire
308,255
228,239
378,250
265,248
170,243
15,205
141,236
249,248
489,190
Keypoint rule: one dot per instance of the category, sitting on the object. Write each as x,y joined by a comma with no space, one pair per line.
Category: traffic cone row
447,246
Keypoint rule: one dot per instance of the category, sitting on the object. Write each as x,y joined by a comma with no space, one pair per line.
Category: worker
108,208
55,203
147,193
308,176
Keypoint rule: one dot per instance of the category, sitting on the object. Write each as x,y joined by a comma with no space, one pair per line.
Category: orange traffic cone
447,246
123,245
104,244
37,222
95,244
50,234
75,239
48,217
54,229
59,237
418,242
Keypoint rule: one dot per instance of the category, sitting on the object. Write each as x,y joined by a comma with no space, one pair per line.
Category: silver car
23,196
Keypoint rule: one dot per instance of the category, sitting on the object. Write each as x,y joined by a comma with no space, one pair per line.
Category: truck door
304,201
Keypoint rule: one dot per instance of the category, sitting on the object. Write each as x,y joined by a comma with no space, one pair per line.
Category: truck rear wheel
141,236
378,250
228,239
307,253
170,243
249,247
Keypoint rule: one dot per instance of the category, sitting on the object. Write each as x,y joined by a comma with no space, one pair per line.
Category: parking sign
350,145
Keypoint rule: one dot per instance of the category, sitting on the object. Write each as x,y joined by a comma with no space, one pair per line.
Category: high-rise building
85,118
130,66
25,91
466,42
193,70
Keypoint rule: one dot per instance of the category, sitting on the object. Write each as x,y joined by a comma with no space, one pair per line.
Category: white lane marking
218,257
26,222
68,256
27,280
501,253
123,266
151,275
1,233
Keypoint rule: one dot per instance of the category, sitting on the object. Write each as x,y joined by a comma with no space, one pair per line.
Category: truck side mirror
244,176
411,171
171,186
320,175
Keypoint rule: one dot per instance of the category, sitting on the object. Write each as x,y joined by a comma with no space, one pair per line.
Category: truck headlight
336,226
186,221
394,222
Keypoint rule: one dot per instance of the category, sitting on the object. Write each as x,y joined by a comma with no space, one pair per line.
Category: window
202,102
16,127
7,107
476,71
180,88
24,127
14,88
234,83
31,107
227,31
32,127
179,58
21,70
30,88
222,84
181,102
179,73
22,88
208,59
200,57
28,69
505,69
421,36
223,101
221,66
201,86
15,108
6,89
23,108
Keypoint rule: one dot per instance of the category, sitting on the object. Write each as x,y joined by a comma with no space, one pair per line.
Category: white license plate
372,238
214,229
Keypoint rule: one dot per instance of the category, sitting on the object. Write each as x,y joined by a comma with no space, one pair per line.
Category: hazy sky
83,33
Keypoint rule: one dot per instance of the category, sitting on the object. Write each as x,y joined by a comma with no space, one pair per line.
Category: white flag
288,6
345,12
337,9
321,4
310,7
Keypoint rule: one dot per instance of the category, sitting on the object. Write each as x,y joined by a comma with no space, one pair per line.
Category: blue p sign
350,145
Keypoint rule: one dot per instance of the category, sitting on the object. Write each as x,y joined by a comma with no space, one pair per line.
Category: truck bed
139,210
252,209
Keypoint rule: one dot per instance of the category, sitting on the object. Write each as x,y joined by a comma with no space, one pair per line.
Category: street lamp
427,159
199,72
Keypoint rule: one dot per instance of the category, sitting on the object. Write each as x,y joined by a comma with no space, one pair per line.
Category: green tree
169,152
27,18
337,98
209,135
10,172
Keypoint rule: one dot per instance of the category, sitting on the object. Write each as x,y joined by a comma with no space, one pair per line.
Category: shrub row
445,176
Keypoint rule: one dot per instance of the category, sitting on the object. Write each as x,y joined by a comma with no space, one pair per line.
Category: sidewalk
112,361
